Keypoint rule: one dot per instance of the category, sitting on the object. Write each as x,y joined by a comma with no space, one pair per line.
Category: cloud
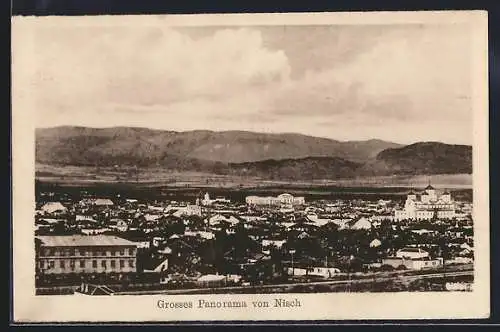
409,74
343,82
152,66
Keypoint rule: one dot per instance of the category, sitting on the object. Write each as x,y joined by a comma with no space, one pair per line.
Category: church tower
431,191
412,195
446,197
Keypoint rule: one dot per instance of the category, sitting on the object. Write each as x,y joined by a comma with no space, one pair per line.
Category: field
159,177
164,184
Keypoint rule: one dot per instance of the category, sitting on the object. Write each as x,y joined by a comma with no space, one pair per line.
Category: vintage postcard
250,167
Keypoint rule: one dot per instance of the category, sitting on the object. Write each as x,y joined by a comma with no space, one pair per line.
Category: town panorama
101,244
251,158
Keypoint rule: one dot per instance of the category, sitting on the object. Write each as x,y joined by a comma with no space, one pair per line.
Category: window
126,251
113,264
94,264
72,264
131,263
48,252
109,253
51,264
122,263
103,263
82,263
61,264
76,252
122,252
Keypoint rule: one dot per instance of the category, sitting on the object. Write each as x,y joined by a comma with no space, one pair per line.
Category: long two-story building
66,254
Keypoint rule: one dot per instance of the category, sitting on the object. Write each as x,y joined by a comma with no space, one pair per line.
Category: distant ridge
245,153
425,158
86,144
310,168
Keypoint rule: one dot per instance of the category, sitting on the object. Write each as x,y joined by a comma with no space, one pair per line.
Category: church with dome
427,205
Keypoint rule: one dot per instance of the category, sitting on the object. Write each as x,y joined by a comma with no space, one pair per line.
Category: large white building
426,205
208,201
280,200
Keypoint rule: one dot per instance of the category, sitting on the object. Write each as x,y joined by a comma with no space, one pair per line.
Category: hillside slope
422,158
89,146
249,154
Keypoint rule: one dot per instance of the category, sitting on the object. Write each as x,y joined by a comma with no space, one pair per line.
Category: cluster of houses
220,241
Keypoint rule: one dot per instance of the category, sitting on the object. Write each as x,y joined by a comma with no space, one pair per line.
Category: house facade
66,254
413,263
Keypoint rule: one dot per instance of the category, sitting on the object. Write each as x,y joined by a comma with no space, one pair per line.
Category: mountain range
287,156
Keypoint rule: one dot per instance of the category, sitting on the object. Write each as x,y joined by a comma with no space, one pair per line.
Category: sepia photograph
251,167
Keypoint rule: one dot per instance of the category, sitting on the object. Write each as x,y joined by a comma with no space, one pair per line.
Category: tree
218,248
386,267
60,228
195,222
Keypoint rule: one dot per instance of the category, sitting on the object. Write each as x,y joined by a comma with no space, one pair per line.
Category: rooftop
103,201
83,240
409,249
211,277
54,204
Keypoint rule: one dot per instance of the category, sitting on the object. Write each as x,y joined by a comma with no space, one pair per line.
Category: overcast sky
403,83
